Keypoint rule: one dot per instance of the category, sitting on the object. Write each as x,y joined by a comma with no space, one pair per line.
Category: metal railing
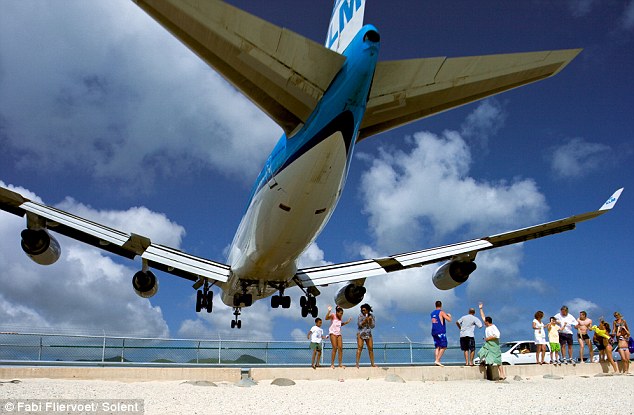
43,348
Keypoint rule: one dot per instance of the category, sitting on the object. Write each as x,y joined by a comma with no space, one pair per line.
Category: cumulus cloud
484,122
84,291
578,158
132,102
425,194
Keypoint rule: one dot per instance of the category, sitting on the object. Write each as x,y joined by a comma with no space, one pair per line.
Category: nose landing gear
236,322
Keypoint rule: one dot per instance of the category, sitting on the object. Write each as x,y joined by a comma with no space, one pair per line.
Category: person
553,338
566,322
334,333
607,344
439,331
623,337
490,351
619,322
540,337
467,325
600,333
315,335
365,324
583,325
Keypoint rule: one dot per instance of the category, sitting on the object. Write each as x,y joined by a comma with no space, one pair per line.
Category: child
315,335
553,339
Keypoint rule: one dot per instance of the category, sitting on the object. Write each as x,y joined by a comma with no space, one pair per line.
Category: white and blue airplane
326,99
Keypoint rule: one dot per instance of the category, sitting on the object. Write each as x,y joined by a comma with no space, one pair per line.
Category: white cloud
132,102
484,122
578,158
627,21
84,291
426,194
580,8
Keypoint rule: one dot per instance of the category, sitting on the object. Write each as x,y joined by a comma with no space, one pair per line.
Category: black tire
239,325
314,312
286,302
209,302
275,301
312,301
304,312
233,324
199,301
302,301
247,299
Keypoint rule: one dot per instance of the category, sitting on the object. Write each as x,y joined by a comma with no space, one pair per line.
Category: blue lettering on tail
346,12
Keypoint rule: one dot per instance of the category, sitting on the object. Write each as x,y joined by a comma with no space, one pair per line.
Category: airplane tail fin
345,22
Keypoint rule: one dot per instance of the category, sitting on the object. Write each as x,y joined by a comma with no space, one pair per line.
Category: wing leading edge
350,271
123,244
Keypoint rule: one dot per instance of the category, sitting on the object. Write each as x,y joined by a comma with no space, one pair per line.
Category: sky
104,114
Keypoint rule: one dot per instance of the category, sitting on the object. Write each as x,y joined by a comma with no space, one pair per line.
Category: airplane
326,99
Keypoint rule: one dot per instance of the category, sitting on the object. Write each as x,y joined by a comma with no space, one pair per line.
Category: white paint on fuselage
285,216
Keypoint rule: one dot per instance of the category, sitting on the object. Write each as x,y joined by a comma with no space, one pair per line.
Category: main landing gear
281,299
308,303
204,298
236,322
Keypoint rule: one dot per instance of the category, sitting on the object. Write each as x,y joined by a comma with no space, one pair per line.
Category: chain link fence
17,348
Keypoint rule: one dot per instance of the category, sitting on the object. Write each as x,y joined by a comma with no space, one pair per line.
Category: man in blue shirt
438,331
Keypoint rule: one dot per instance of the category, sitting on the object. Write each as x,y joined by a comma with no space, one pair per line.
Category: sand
535,395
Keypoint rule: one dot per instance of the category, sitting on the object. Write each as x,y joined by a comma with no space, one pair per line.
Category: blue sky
104,114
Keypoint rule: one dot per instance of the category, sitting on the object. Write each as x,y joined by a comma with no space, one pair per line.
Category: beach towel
490,352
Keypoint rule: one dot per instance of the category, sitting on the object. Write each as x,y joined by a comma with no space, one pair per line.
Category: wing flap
283,73
407,90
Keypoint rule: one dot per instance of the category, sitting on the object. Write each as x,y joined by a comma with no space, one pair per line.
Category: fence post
266,353
411,352
198,353
39,353
103,348
122,350
219,347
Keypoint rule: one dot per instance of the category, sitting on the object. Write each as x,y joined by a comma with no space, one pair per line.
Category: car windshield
505,347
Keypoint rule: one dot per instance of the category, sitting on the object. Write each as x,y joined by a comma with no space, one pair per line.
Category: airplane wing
127,245
407,90
350,271
283,73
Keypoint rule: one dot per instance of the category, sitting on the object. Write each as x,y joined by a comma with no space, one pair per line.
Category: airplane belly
287,214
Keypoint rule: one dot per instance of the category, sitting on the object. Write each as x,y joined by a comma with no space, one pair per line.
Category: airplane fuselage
298,189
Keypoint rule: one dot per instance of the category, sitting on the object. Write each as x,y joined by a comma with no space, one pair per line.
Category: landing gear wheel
236,322
314,312
275,301
209,302
304,311
286,301
199,300
302,302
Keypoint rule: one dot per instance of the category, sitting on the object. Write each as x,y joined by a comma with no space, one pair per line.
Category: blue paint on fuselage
347,92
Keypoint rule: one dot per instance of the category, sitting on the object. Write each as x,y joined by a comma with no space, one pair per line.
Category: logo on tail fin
346,21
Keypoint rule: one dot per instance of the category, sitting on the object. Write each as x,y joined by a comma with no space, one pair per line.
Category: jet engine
350,295
40,246
452,274
145,284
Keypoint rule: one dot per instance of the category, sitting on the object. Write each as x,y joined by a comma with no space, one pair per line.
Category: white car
519,353
522,352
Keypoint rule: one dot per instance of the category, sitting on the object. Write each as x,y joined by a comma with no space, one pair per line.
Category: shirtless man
584,324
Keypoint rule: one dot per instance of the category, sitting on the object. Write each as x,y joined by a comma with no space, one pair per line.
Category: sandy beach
529,395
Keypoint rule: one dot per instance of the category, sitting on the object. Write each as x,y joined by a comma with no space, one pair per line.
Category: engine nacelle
350,295
145,284
40,246
452,274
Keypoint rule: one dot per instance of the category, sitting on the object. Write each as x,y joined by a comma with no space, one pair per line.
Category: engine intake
350,295
145,284
452,274
40,246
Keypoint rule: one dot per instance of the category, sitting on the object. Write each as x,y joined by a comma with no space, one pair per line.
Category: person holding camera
365,324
